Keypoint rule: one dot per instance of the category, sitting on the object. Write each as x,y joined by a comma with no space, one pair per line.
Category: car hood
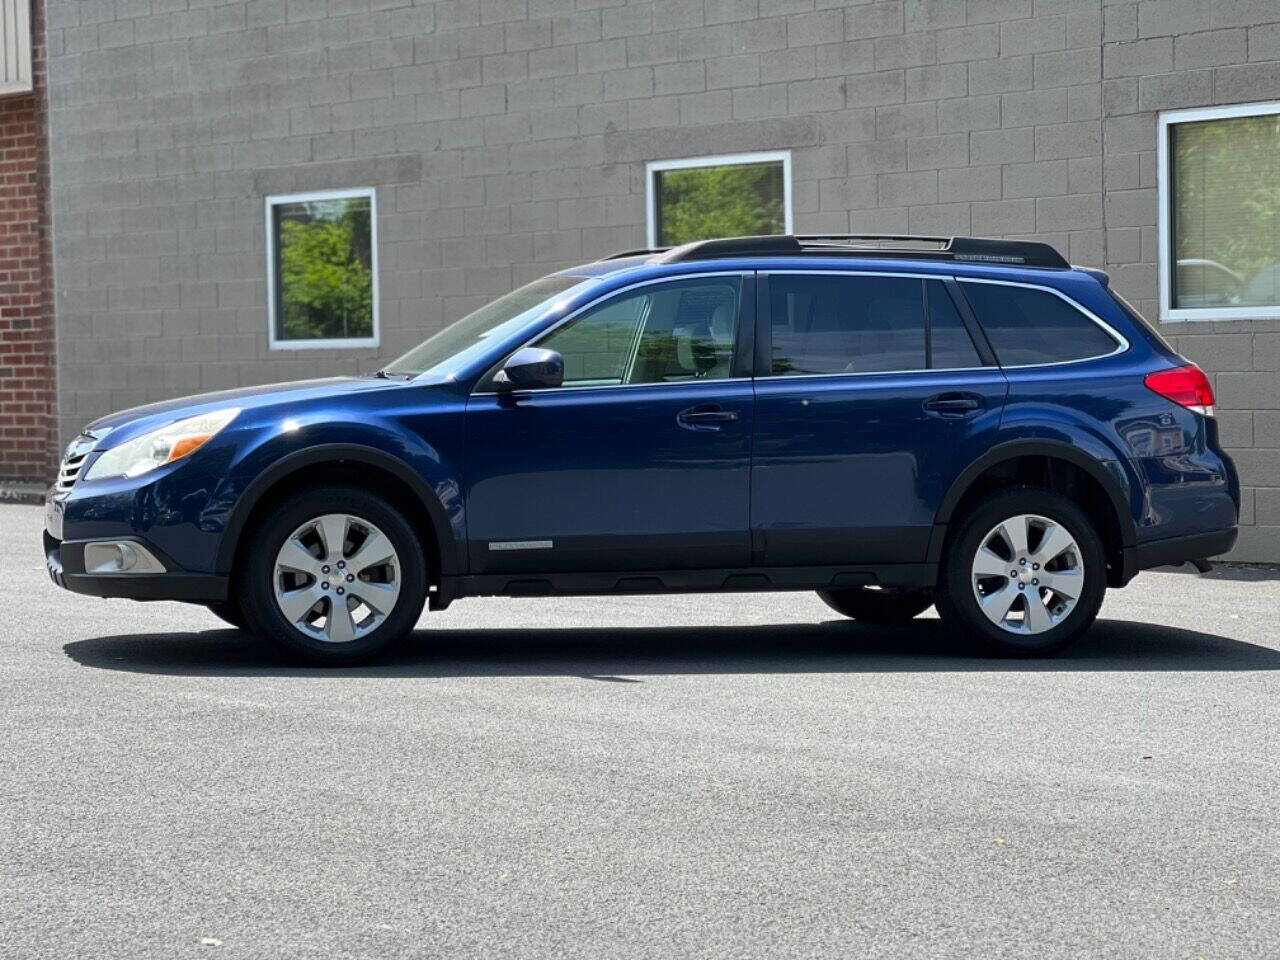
245,398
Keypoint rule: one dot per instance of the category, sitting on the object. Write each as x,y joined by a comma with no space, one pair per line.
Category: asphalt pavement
693,776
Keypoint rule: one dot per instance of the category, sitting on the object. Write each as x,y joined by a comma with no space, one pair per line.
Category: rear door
876,391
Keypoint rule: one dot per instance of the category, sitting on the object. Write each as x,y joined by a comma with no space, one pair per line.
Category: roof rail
879,245
638,252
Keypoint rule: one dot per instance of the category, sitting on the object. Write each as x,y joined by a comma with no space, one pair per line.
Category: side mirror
531,368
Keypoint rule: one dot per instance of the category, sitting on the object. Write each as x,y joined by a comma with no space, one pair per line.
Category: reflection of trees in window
731,201
325,255
1226,211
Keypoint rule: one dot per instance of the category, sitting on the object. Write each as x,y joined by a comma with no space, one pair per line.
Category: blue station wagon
892,422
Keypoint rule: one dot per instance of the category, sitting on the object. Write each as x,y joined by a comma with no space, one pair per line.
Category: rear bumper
64,561
1175,550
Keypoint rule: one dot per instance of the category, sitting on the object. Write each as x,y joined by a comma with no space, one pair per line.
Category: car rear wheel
879,605
1025,571
335,575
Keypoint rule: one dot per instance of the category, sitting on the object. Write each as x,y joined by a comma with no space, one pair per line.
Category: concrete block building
462,147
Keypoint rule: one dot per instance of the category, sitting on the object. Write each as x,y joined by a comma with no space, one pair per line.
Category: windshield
497,318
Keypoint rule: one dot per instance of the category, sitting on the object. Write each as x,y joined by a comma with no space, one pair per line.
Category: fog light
120,556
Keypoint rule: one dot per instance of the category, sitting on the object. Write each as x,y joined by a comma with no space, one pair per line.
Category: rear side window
840,323
846,324
1028,326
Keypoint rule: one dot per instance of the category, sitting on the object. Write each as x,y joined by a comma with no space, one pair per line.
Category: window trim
723,160
1164,186
483,386
1121,340
330,343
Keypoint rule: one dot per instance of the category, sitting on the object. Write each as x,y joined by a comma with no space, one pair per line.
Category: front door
641,460
876,398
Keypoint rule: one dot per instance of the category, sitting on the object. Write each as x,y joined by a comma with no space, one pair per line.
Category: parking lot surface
732,776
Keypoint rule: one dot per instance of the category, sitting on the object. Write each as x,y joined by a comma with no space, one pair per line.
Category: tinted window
846,324
1034,326
950,346
659,333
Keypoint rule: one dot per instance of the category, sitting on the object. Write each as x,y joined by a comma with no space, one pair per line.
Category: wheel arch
1058,466
378,470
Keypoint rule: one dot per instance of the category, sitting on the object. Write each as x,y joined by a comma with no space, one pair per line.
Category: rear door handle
707,416
954,404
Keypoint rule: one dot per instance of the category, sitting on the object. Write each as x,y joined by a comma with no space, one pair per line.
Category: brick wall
507,138
28,391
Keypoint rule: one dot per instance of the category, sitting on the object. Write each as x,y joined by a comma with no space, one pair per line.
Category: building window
15,46
738,196
322,270
1219,174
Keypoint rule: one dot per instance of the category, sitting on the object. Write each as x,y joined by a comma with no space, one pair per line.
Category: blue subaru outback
892,422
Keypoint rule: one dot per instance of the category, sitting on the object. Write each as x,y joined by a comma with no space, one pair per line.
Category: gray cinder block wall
507,138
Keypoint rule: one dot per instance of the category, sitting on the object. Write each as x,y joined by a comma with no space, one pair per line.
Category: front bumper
65,562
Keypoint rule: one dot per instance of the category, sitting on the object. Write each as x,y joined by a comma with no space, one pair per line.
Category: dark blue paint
812,470
859,462
611,476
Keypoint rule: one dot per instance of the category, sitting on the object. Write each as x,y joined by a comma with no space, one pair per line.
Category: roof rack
1027,253
638,252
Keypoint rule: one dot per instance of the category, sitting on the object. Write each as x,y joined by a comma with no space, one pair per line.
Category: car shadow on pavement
618,653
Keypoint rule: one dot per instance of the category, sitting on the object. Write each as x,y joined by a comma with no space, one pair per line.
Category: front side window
708,197
1220,212
659,333
1027,325
322,267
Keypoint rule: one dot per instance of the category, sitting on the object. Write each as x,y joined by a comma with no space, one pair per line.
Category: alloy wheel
1028,574
336,578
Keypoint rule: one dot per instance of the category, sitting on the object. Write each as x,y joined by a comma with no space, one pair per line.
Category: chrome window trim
740,274
783,378
1122,342
1120,339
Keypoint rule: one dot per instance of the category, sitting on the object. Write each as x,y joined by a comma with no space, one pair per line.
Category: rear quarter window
1030,326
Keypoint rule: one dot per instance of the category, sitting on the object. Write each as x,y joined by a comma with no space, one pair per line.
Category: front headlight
172,442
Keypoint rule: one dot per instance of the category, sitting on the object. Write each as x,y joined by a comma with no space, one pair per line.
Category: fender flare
1013,449
339,453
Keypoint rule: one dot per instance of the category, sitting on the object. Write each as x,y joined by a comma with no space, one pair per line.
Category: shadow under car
619,653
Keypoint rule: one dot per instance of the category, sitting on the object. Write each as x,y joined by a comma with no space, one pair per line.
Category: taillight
1186,386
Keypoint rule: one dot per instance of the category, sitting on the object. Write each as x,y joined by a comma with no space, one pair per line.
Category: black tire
228,611
255,586
957,601
884,607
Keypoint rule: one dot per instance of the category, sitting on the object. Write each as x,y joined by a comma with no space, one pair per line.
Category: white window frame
271,203
15,47
725,160
1164,181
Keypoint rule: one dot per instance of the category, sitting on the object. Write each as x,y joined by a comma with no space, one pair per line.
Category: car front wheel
1025,571
334,575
